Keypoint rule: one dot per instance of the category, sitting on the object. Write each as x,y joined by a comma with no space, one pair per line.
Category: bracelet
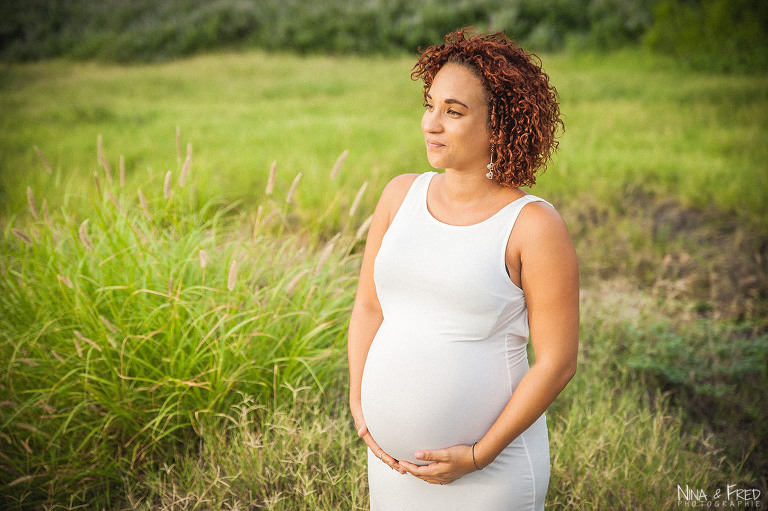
473,457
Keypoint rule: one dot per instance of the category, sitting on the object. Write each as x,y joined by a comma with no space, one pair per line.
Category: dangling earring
489,175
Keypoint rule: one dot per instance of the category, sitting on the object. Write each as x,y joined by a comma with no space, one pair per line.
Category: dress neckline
455,226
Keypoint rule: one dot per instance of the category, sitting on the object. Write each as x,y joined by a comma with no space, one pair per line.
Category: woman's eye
454,113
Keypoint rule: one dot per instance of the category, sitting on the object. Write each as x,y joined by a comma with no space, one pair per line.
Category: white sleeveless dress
446,359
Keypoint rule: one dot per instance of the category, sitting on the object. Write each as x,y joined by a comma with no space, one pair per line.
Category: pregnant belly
422,392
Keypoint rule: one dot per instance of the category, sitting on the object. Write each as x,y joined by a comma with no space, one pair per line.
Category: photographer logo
732,496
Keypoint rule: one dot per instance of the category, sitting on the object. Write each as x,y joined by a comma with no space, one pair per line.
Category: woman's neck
466,187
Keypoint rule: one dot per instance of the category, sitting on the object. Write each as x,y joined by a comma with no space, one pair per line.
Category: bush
719,35
143,30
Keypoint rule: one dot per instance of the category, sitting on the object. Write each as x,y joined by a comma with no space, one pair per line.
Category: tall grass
305,457
135,327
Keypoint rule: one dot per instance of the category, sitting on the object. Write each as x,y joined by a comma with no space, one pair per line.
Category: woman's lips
433,144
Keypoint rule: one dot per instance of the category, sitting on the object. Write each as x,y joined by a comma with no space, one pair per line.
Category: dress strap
415,198
417,193
510,216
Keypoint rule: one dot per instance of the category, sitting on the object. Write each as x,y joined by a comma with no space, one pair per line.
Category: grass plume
358,198
21,235
44,160
178,143
339,163
232,274
143,204
271,180
83,235
64,280
186,167
46,215
97,182
102,159
32,203
292,189
167,185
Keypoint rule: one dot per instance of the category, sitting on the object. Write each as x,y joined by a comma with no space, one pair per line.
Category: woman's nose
430,122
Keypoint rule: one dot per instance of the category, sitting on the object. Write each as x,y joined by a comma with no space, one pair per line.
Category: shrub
147,31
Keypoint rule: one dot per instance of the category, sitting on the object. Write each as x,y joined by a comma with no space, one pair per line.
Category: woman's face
455,123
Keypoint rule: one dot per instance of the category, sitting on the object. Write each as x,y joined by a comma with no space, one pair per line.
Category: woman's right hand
362,432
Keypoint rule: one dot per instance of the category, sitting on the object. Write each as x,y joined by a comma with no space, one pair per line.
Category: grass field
631,121
182,346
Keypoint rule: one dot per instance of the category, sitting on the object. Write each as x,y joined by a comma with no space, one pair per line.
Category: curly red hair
524,114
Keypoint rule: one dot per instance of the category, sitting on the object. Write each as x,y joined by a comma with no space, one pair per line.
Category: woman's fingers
418,470
362,432
371,443
439,455
392,462
357,417
429,473
434,473
445,465
376,450
410,467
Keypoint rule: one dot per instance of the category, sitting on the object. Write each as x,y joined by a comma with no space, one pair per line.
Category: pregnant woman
460,268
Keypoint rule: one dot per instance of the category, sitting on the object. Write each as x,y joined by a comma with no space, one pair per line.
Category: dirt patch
703,257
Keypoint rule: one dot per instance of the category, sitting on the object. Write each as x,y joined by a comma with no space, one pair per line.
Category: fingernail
419,455
360,431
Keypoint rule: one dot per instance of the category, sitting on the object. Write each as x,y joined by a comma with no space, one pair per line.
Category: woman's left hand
446,465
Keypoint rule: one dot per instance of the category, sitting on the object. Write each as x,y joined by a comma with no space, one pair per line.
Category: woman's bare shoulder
540,214
394,193
398,186
541,228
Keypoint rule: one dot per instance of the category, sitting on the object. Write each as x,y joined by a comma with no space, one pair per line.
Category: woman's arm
549,278
366,315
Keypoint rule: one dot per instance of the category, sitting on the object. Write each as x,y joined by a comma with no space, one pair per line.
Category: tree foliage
713,34
727,35
144,30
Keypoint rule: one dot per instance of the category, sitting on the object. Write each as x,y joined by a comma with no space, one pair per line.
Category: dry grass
301,457
710,264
